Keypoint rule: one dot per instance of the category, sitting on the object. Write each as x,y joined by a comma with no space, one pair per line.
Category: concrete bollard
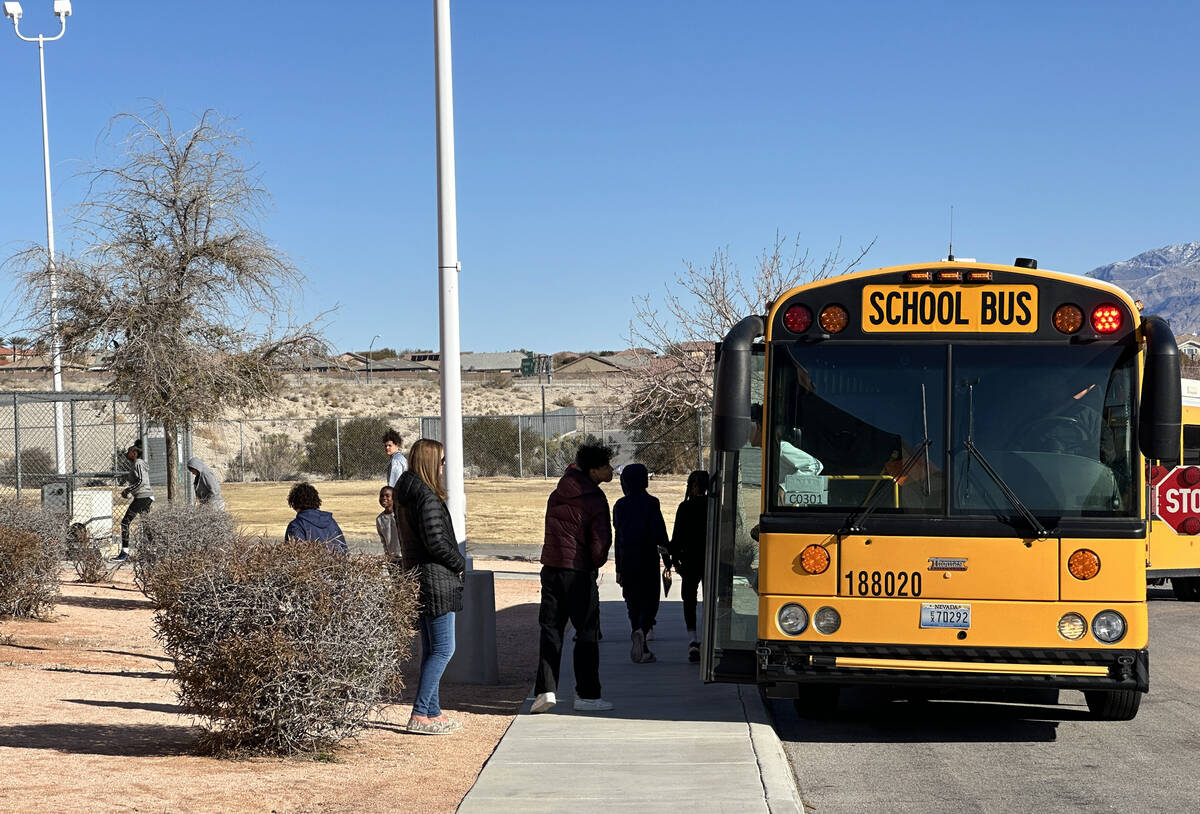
474,660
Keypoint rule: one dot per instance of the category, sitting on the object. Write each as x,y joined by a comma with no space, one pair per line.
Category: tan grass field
499,510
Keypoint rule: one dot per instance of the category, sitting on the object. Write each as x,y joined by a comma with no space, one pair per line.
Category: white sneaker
592,705
543,703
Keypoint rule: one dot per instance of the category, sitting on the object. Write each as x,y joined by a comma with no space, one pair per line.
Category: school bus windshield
1053,423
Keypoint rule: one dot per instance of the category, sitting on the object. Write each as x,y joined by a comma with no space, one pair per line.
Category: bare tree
675,372
178,293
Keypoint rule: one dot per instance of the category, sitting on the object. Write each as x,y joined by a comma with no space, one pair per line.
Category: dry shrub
174,530
498,380
85,555
283,647
31,545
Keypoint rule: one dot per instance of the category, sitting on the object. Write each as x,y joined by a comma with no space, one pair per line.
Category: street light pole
62,10
369,350
448,268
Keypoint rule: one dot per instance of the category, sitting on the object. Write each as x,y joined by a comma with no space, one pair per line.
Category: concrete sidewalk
673,743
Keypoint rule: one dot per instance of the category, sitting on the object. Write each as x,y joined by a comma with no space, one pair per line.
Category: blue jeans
437,646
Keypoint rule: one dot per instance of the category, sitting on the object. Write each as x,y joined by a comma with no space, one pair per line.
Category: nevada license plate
945,614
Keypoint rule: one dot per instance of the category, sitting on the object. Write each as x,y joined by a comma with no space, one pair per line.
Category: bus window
848,419
1191,445
1054,423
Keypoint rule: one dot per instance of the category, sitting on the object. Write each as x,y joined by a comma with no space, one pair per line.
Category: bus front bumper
795,662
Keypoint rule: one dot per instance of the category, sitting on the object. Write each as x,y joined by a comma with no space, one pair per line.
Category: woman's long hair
425,460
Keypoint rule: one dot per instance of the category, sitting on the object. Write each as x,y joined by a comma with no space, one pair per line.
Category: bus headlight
827,620
1108,626
792,619
1072,626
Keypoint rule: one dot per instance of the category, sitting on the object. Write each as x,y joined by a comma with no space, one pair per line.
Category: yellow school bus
1175,555
935,475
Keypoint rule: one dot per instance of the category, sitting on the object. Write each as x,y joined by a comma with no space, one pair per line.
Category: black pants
641,589
140,505
569,595
687,591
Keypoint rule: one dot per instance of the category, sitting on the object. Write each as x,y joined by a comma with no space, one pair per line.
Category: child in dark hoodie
310,523
641,535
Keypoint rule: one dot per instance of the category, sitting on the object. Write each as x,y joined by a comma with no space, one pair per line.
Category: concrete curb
774,768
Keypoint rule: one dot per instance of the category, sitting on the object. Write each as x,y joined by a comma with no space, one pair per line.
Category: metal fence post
520,449
337,436
242,448
112,458
72,480
74,449
699,440
545,442
17,442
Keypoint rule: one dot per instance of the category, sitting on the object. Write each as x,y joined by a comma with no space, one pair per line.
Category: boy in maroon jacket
578,537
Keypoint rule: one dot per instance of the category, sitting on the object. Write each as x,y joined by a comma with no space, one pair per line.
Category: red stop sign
1177,499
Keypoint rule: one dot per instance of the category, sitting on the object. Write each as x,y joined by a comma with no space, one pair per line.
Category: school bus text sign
966,309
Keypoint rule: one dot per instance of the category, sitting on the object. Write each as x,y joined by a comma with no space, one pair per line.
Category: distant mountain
1167,280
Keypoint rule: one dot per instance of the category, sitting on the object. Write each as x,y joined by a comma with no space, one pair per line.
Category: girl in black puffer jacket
430,549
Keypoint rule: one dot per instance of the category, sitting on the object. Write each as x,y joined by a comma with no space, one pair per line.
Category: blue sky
601,144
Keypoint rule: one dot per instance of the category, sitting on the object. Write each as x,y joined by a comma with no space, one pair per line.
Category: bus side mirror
1161,410
731,394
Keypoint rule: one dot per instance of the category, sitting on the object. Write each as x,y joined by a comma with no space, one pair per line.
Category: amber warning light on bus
1084,564
833,319
814,559
1068,318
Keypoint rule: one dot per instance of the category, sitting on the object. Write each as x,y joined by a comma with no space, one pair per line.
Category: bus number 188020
883,583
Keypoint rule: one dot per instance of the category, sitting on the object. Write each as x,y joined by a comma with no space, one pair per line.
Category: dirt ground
499,510
90,722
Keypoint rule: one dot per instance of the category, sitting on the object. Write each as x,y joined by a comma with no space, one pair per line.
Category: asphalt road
989,754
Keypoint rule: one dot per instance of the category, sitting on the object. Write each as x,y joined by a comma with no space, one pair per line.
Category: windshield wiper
854,523
1005,489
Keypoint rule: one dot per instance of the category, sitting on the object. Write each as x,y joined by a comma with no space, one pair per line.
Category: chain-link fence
95,430
66,450
519,446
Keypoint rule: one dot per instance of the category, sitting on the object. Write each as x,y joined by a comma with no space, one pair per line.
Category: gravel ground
91,722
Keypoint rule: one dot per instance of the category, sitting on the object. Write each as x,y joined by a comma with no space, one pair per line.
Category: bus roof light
978,276
797,318
1025,263
833,319
1106,319
918,277
948,276
1068,319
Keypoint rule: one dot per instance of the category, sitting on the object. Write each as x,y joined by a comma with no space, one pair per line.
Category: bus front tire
1113,705
817,701
1187,589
